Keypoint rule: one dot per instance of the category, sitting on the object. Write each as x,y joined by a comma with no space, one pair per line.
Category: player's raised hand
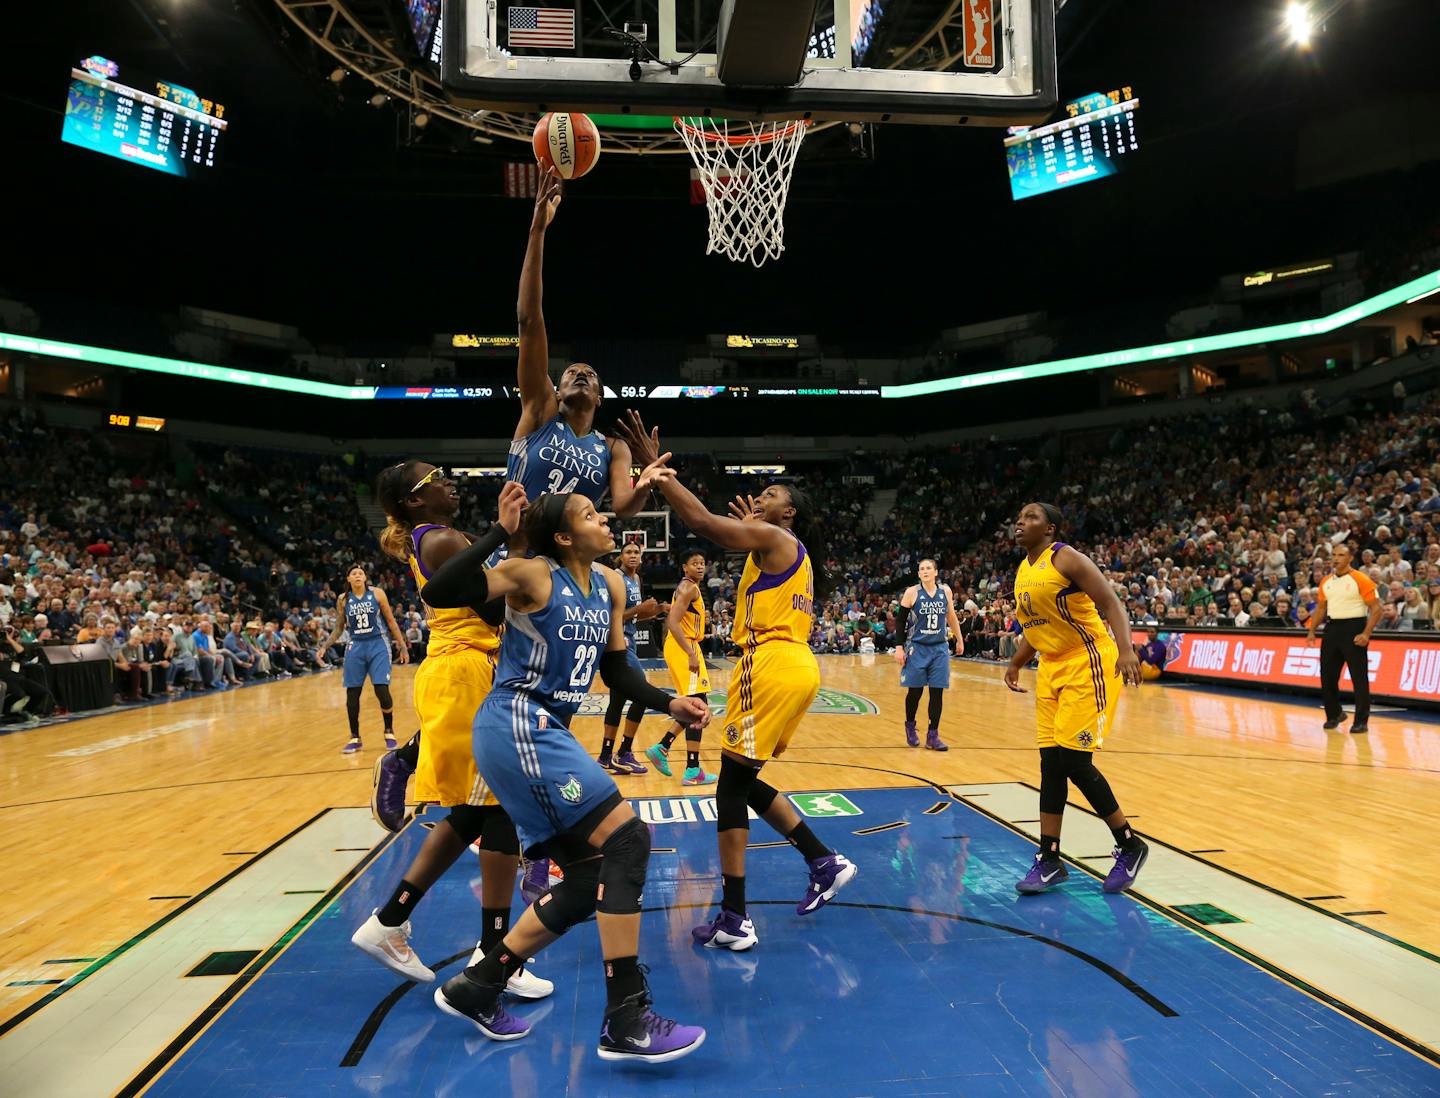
547,200
657,472
745,508
512,502
644,444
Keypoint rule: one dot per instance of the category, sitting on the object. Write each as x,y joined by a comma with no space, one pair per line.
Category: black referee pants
1338,649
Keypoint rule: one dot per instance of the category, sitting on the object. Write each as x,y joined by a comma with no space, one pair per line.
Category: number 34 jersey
551,655
554,459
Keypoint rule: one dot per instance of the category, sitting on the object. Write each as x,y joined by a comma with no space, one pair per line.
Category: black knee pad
1054,783
382,691
352,699
499,836
572,901
636,713
732,794
467,821
1080,768
622,870
762,795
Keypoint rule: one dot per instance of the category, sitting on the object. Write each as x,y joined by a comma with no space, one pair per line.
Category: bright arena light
1300,22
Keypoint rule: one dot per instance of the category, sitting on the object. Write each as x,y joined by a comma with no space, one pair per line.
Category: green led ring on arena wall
1410,291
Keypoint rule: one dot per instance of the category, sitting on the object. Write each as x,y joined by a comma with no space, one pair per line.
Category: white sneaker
390,945
524,984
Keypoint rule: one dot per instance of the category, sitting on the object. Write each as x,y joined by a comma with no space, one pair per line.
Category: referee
1348,603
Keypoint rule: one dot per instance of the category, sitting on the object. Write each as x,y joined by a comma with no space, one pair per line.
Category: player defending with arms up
772,686
1059,596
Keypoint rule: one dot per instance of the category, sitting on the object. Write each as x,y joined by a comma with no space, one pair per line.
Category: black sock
389,716
1050,848
627,745
607,746
804,840
622,979
1125,839
397,909
669,738
409,751
692,760
497,925
496,967
734,898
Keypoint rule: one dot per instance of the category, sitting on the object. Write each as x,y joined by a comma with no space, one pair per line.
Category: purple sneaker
1128,864
626,761
912,734
933,741
462,997
387,791
536,881
635,1032
351,747
1043,875
728,931
828,875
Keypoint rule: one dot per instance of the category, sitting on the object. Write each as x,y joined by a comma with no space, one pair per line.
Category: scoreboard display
1093,141
155,124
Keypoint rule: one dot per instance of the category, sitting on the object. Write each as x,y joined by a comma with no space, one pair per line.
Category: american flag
522,180
552,28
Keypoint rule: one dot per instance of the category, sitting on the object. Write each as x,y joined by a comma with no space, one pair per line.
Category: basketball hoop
745,170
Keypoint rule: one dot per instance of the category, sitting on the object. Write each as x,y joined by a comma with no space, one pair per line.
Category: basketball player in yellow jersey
772,686
1060,596
684,630
420,503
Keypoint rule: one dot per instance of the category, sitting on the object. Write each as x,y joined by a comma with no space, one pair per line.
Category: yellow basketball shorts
1075,696
685,681
771,688
448,692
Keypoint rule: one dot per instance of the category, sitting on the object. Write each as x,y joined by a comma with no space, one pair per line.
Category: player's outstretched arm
537,395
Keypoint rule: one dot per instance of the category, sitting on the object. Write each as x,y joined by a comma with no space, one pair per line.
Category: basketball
568,144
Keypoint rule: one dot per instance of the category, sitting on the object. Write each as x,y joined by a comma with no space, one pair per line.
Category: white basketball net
745,170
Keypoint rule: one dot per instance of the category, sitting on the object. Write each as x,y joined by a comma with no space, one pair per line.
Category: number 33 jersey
551,655
553,459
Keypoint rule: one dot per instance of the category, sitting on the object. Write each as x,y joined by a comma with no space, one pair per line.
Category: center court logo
828,703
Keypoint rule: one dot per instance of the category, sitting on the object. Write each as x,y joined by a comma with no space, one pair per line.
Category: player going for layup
556,447
924,658
562,621
421,502
1059,596
772,686
359,610
684,630
637,609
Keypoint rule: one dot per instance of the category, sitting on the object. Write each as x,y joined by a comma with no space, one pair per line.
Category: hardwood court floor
114,821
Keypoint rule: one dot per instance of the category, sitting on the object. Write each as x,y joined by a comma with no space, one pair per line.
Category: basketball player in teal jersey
556,447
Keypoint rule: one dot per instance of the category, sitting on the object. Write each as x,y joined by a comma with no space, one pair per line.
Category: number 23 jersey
551,655
554,459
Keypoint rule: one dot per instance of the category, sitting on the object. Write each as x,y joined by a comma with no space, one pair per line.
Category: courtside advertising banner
1407,668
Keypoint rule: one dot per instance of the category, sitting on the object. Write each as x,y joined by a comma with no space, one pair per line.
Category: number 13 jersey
551,655
554,459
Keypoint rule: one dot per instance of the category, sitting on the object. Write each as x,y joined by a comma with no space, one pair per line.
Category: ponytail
806,526
392,488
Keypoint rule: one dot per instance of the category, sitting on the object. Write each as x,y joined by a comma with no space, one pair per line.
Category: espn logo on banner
979,26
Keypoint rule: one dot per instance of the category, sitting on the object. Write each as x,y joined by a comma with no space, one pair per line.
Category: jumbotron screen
168,128
1094,141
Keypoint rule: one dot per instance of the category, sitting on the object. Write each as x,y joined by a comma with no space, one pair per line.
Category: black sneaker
1359,729
635,1032
479,1004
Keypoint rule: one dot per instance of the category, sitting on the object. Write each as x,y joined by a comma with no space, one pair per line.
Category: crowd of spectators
198,568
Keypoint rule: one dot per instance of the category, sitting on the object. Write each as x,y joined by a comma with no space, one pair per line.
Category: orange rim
742,139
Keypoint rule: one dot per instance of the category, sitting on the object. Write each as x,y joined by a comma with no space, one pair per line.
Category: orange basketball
568,143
